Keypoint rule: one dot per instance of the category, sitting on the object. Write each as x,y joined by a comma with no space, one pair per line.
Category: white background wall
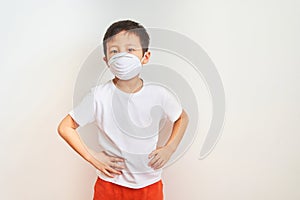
254,44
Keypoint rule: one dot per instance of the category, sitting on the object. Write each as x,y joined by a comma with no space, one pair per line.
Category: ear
146,57
105,60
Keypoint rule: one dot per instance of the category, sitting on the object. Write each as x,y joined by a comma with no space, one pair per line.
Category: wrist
170,147
91,159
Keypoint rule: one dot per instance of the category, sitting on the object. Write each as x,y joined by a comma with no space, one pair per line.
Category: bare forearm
72,137
178,131
160,156
104,163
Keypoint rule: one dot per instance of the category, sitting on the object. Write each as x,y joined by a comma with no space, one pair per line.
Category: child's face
125,42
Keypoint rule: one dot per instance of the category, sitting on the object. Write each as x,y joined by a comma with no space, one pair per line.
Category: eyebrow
113,46
129,44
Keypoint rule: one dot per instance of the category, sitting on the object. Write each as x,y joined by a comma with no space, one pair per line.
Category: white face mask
125,65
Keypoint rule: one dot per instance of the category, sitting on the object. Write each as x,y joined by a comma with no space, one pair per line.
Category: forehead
124,38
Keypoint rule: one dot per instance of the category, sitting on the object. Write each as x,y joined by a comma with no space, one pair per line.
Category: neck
132,85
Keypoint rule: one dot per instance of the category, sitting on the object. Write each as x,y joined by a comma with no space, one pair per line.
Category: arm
67,130
160,156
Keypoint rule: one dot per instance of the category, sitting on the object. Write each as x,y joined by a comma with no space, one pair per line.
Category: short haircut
130,27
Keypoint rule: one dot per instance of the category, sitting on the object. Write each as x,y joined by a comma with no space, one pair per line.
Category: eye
131,49
114,51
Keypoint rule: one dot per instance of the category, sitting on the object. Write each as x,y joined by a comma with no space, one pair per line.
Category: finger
107,173
159,164
116,166
153,161
152,154
116,159
112,170
119,167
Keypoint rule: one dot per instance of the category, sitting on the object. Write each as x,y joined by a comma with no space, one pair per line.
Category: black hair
130,27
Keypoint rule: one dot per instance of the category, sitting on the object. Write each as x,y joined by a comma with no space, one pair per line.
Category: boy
131,164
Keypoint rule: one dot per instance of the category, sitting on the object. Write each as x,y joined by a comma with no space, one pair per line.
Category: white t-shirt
128,126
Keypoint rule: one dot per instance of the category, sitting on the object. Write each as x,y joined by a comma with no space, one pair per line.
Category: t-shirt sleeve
85,112
171,105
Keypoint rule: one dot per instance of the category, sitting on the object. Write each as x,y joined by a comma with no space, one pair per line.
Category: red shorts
104,190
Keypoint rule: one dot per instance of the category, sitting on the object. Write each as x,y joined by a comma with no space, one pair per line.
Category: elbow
183,119
62,129
67,124
185,116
